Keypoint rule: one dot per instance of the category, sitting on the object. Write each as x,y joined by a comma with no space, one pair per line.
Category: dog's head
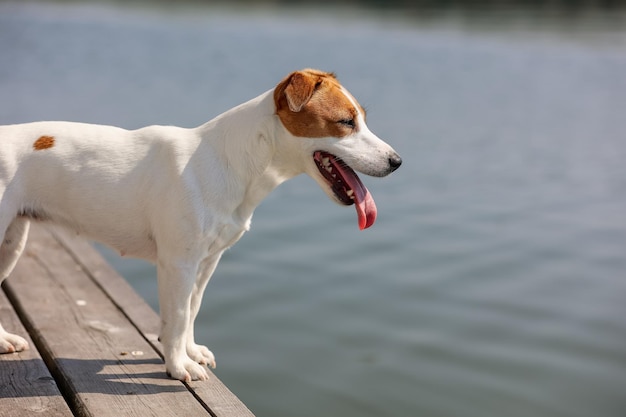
334,139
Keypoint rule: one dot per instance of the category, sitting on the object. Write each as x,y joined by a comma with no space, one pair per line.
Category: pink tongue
364,202
366,210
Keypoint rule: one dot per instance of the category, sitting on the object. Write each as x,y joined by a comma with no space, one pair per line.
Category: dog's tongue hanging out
366,210
347,186
363,200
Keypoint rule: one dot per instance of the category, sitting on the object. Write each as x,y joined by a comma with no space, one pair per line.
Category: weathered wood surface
26,386
98,337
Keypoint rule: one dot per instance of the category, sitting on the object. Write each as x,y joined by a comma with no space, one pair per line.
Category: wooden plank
212,393
26,386
101,362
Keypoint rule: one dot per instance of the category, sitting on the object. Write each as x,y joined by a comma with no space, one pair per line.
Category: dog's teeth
326,161
350,193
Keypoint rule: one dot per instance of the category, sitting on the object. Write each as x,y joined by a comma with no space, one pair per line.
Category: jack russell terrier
180,197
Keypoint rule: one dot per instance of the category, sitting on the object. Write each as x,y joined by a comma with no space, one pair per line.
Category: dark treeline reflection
469,5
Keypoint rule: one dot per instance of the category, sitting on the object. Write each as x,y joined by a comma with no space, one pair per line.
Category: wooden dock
94,348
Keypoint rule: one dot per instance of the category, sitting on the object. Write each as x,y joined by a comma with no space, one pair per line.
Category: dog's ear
297,88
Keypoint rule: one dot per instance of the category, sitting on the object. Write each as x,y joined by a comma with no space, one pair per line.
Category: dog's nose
394,162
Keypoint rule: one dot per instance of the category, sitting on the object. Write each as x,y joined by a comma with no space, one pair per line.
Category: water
493,283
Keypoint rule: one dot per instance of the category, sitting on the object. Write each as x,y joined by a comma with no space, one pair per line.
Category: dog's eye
347,122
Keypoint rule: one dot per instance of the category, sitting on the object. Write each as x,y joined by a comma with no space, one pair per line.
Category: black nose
394,162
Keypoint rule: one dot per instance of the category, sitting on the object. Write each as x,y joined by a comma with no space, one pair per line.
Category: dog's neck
251,141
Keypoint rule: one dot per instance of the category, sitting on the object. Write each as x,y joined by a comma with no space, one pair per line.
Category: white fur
177,197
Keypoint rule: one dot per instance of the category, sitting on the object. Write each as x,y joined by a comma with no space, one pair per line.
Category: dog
179,197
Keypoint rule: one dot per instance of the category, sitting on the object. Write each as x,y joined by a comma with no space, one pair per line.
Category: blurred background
494,281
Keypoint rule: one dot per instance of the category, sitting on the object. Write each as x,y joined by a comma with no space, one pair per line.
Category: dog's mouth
346,186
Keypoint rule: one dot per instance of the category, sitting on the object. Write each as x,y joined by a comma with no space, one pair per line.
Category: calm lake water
494,281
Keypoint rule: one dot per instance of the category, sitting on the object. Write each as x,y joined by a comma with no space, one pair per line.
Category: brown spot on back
310,103
44,142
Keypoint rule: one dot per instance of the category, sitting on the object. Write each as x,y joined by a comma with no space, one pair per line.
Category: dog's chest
227,235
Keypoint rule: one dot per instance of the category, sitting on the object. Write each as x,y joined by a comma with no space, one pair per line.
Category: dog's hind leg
13,244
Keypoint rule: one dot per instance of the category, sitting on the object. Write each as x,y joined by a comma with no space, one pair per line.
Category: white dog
180,197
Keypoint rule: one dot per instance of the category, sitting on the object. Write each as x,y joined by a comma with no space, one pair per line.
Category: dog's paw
10,343
201,354
187,370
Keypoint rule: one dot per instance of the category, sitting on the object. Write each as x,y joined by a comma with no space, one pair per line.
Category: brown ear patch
311,103
44,142
299,90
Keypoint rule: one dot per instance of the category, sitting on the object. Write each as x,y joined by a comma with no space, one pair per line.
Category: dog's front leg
176,281
200,353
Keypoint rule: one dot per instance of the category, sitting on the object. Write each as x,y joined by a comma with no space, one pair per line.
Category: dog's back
70,173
